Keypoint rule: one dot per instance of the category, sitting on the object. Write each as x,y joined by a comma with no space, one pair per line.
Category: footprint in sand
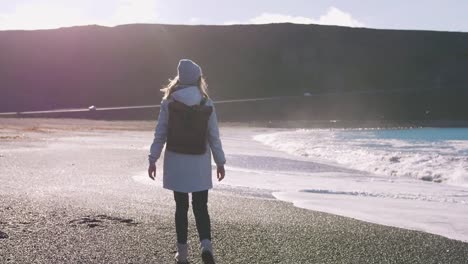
102,221
3,235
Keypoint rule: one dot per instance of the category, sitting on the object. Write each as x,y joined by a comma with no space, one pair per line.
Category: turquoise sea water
421,134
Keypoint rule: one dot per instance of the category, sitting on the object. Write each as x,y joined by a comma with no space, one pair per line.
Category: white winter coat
184,172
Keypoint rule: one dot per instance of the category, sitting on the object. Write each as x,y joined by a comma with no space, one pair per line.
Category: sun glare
52,14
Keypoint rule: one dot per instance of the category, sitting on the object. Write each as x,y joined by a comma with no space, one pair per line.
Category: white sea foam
439,161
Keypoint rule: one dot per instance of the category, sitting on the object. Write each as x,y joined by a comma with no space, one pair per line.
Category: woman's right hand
152,171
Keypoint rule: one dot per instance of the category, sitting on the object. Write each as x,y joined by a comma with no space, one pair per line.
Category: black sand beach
69,193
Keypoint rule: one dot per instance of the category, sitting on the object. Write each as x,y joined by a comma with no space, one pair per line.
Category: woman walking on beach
187,122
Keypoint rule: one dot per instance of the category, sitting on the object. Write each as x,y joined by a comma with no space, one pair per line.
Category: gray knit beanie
188,71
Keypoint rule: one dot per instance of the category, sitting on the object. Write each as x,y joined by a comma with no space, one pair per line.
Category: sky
442,15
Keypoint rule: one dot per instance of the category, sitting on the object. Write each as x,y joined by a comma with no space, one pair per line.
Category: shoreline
308,124
77,201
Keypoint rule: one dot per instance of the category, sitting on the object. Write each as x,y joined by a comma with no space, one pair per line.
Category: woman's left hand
152,171
220,172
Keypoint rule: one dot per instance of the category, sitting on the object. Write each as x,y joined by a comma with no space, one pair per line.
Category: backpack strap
203,100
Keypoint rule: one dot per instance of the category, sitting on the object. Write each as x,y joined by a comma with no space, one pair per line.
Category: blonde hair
169,88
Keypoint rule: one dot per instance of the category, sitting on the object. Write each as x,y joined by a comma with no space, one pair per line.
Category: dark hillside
401,73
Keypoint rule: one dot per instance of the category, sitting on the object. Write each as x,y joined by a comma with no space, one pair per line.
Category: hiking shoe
182,254
207,252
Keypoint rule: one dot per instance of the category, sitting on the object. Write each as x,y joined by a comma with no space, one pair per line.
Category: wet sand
70,193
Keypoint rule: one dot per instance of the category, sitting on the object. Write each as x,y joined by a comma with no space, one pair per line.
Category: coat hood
190,95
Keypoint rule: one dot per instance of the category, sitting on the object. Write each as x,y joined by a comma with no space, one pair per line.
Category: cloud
55,14
333,16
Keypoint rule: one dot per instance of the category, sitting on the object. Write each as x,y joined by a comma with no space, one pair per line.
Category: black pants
200,210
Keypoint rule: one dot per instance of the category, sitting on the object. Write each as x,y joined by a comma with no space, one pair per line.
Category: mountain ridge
128,64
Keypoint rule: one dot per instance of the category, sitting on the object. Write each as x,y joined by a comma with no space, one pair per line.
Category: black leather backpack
188,127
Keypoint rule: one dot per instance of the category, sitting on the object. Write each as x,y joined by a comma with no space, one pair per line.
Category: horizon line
231,25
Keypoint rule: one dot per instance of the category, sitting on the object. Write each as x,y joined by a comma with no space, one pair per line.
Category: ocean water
409,178
430,154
